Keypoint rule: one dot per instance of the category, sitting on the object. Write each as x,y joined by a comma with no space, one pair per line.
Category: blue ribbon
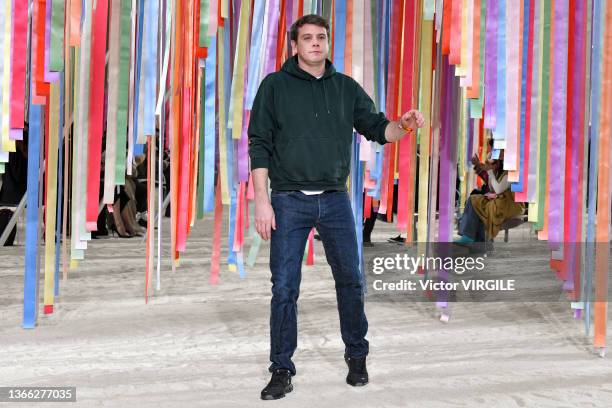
357,167
30,278
255,54
209,126
596,74
231,256
382,19
499,133
240,259
138,148
150,74
378,172
518,187
339,34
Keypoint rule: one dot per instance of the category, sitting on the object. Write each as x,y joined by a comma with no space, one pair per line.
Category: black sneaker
279,385
397,240
358,374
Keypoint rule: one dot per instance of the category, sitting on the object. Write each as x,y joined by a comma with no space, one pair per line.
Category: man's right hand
264,218
264,214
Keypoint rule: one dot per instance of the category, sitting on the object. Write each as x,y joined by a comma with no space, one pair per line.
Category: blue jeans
470,223
296,213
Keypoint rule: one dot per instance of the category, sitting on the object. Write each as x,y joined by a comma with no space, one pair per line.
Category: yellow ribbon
425,106
51,200
225,9
462,151
7,144
237,97
461,69
225,197
533,207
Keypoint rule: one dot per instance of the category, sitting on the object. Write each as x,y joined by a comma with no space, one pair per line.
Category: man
300,135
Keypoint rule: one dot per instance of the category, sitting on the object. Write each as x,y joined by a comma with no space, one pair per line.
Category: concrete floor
195,344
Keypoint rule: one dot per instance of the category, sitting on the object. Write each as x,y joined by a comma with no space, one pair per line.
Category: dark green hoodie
301,127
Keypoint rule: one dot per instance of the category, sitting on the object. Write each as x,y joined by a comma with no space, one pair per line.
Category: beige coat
493,212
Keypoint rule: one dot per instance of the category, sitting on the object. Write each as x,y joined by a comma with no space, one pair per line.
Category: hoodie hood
292,68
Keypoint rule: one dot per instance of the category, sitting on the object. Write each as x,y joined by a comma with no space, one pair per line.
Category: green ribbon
204,17
56,54
545,64
122,99
476,104
201,153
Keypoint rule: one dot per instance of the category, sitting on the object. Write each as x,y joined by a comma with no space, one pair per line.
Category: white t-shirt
313,192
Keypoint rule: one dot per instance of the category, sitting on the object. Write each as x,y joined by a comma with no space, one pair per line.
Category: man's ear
293,47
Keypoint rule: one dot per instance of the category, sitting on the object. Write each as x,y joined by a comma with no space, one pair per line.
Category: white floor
198,345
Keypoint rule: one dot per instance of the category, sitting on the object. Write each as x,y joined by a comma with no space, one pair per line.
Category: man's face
312,44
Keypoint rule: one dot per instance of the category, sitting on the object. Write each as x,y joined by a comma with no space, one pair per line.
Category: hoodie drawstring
291,67
325,97
314,105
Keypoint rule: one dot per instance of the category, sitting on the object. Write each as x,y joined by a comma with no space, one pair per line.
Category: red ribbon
18,63
96,110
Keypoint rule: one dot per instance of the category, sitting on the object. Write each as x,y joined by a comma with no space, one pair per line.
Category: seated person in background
484,214
127,203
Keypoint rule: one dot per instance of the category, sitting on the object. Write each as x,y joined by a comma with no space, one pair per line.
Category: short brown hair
308,19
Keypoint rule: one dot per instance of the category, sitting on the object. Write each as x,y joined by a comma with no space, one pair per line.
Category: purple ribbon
270,55
559,102
289,13
243,153
447,186
491,65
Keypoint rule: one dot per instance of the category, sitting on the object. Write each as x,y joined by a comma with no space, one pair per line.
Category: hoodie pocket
315,160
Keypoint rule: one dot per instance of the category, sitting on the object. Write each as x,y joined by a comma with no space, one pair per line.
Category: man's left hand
412,119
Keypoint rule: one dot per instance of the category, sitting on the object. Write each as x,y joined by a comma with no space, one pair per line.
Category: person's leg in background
121,200
102,229
337,229
368,225
5,217
471,227
128,212
399,239
140,194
